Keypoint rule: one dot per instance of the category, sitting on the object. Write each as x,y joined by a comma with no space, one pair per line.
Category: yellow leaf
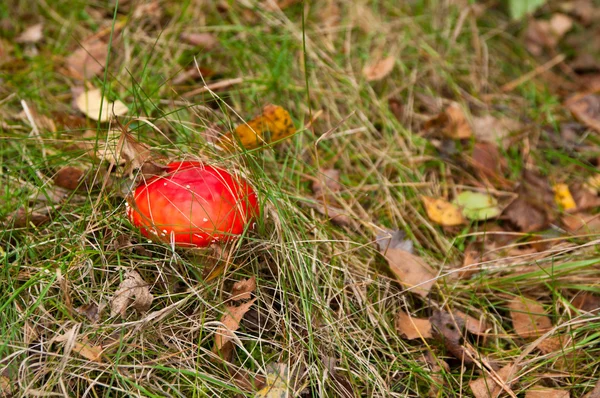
442,212
272,125
562,196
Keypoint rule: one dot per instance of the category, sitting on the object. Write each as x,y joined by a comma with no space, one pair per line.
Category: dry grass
326,301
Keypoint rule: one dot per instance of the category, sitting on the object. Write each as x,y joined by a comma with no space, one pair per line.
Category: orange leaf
274,124
442,212
412,328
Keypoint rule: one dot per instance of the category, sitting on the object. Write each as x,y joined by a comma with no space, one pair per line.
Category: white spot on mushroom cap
205,219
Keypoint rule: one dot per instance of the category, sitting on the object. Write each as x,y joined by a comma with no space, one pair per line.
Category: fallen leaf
519,9
593,184
542,34
494,130
477,206
586,109
133,292
473,325
581,223
226,333
551,344
69,177
32,34
486,387
343,386
23,218
379,69
412,328
336,215
91,311
280,382
563,197
442,212
584,198
242,290
327,182
411,271
6,387
452,123
488,164
138,155
91,353
595,393
534,208
393,240
91,102
528,317
207,41
587,302
88,60
274,124
544,392
191,74
448,328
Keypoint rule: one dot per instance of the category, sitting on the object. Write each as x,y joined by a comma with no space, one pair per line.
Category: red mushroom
193,204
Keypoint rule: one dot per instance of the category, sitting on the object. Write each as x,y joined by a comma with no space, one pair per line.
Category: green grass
324,289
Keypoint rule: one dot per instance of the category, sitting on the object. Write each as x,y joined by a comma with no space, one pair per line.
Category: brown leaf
88,60
489,165
542,34
91,311
32,34
586,109
581,223
494,130
534,208
327,182
379,69
595,393
68,177
486,387
412,328
23,218
528,317
551,344
231,322
193,73
91,353
132,292
544,392
242,290
6,387
344,388
207,41
449,328
336,215
411,271
587,302
452,123
473,325
584,198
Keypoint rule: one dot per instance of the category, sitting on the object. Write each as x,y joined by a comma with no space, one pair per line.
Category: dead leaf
6,387
336,215
442,212
91,102
208,41
226,333
586,109
451,122
542,34
191,74
138,155
544,392
534,208
281,382
68,177
91,353
32,34
593,184
489,165
390,239
379,69
595,393
494,130
23,218
242,290
551,344
411,271
412,328
133,292
326,183
587,302
343,386
473,325
528,317
583,198
449,328
88,60
91,311
581,223
486,387
274,124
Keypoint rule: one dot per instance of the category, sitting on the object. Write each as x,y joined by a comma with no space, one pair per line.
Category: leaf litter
133,293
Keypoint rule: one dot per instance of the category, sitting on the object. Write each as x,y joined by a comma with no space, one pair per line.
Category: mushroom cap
193,204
